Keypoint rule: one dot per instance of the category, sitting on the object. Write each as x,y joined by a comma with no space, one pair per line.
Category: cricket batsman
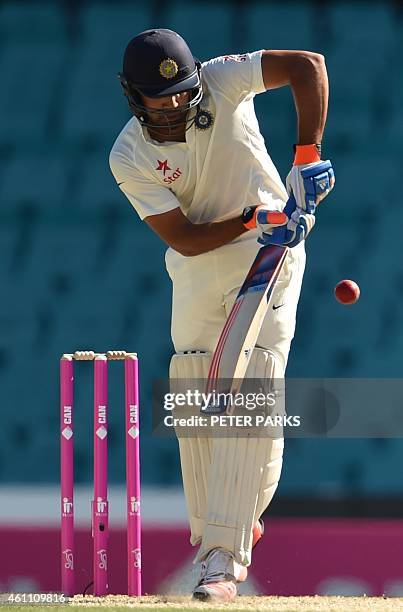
194,165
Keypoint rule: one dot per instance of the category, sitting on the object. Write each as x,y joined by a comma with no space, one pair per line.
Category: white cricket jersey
217,171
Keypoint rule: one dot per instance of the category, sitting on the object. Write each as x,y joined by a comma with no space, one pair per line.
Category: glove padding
310,183
296,226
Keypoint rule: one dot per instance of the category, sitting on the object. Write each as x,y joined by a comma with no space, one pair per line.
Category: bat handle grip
274,218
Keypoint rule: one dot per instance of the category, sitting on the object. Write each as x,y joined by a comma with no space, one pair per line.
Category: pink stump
133,475
100,529
67,473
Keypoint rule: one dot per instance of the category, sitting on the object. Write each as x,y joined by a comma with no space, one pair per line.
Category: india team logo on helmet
168,68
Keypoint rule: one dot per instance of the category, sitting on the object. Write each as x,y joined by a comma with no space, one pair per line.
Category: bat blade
239,335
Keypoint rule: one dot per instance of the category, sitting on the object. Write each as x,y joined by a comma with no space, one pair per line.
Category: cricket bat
241,330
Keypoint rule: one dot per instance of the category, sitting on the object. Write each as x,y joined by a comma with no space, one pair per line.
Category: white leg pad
243,478
195,453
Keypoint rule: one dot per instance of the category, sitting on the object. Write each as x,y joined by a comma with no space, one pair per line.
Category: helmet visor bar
136,103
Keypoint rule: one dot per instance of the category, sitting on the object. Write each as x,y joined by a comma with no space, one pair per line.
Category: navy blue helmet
159,63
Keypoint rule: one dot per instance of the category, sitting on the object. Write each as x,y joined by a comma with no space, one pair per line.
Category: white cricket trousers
205,288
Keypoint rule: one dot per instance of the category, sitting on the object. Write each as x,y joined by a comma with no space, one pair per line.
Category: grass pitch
120,603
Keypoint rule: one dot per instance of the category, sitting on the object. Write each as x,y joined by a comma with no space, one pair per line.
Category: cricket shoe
216,584
219,575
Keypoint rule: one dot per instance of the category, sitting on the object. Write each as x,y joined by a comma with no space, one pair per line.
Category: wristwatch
248,217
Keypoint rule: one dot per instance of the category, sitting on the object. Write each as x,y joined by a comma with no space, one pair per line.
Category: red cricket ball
347,292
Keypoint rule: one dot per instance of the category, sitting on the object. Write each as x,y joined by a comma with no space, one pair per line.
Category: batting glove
309,182
297,227
285,228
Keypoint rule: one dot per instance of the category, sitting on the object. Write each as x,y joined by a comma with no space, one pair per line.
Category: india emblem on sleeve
204,119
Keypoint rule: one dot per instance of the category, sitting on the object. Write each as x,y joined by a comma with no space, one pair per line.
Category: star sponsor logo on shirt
163,167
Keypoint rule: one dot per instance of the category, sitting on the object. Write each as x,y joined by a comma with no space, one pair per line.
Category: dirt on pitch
270,604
